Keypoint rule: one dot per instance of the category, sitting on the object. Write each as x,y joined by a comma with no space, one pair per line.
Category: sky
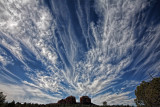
51,49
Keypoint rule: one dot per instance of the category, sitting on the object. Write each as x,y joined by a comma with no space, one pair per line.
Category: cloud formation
54,49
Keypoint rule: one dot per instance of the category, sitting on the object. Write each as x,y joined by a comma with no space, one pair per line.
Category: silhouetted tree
2,98
104,103
12,104
148,93
18,104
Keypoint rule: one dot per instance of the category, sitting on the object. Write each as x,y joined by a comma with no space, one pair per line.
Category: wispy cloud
24,93
63,51
114,99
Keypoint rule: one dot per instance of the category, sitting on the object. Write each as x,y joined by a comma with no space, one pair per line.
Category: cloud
114,99
24,93
4,60
29,26
68,53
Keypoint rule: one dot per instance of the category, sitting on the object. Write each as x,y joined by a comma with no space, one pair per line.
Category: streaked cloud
52,52
24,93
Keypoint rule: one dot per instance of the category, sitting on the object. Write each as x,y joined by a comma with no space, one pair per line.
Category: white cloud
24,93
114,99
3,60
30,24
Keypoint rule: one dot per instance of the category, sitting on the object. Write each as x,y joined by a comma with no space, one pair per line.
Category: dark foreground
12,104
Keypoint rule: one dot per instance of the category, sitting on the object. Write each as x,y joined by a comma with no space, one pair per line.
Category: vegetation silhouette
2,98
105,103
70,101
148,93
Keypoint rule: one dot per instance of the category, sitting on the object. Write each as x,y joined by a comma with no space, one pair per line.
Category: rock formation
85,100
62,101
70,100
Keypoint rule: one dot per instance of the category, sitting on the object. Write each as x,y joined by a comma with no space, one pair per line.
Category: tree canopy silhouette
148,93
2,98
105,103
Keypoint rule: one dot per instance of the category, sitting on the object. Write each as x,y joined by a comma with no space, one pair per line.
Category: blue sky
51,49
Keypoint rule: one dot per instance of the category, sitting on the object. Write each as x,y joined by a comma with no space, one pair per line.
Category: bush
2,98
148,93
